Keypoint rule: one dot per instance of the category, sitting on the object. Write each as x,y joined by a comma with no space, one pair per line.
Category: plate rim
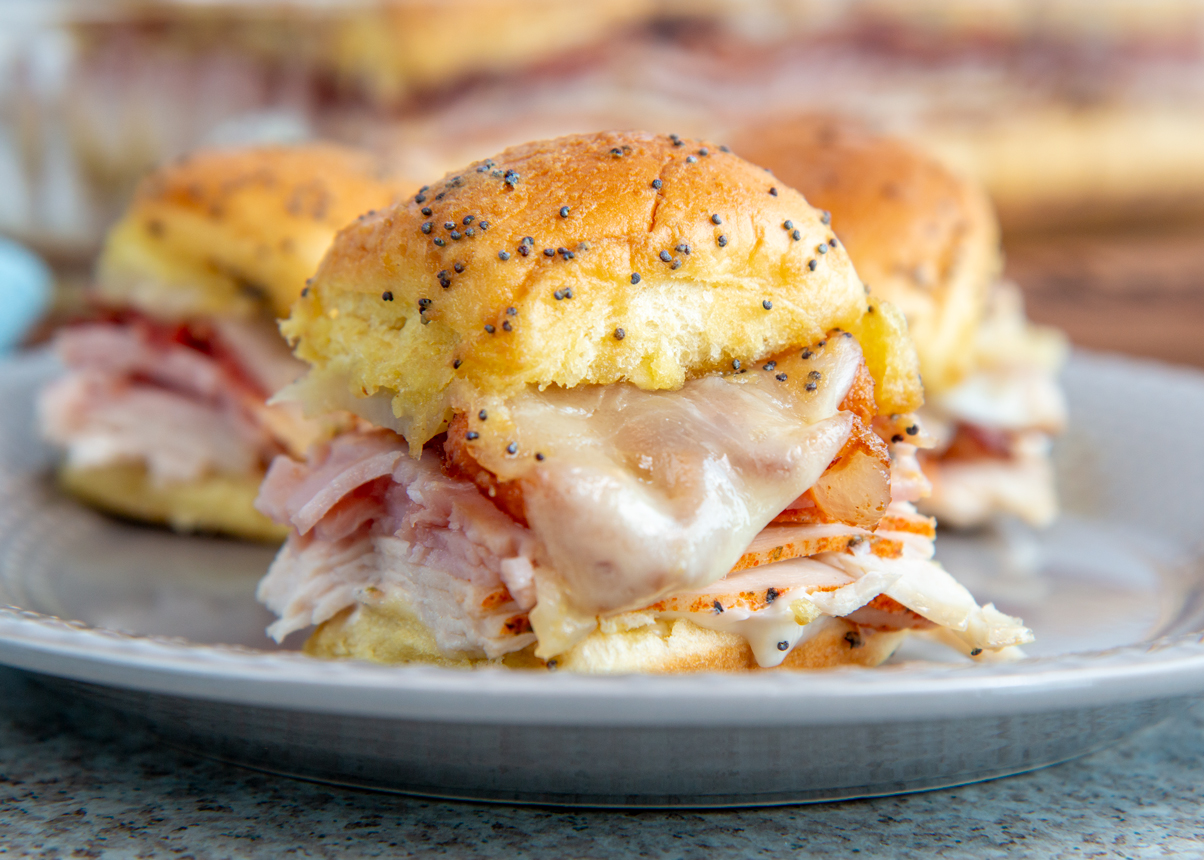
1170,667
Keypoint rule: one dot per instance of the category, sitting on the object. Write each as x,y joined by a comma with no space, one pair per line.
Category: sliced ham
375,518
372,522
123,350
102,419
312,581
300,495
261,351
136,391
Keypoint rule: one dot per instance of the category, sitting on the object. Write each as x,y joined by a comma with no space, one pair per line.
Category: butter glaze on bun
652,260
923,238
393,49
235,232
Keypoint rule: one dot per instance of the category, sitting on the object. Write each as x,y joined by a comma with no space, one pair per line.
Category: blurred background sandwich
162,411
1079,118
926,240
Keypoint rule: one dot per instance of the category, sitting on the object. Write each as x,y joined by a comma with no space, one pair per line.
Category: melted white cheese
642,493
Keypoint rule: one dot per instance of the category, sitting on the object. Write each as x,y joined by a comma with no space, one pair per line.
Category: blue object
25,288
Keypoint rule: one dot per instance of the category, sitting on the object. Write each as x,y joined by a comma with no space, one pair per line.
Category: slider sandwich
161,411
393,50
630,410
927,241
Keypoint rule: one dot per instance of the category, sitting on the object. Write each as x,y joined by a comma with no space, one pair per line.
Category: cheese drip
637,494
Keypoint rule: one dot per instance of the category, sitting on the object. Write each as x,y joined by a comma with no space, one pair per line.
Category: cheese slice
637,494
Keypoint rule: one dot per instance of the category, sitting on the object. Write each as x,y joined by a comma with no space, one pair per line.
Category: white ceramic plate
1115,593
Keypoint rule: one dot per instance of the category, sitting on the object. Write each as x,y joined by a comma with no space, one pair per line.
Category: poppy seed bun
217,503
388,633
231,232
922,237
697,272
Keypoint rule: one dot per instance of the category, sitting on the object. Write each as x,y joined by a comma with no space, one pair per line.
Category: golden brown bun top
921,236
651,260
394,48
239,230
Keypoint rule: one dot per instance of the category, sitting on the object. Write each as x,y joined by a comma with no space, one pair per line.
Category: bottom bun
221,504
389,632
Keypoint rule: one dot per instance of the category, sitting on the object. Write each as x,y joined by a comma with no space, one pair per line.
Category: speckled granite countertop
76,783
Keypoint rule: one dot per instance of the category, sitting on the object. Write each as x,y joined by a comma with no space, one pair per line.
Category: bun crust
381,635
234,232
396,48
922,237
444,310
218,504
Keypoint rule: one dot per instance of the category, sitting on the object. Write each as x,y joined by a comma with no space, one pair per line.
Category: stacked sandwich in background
1070,111
162,410
926,240
628,407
